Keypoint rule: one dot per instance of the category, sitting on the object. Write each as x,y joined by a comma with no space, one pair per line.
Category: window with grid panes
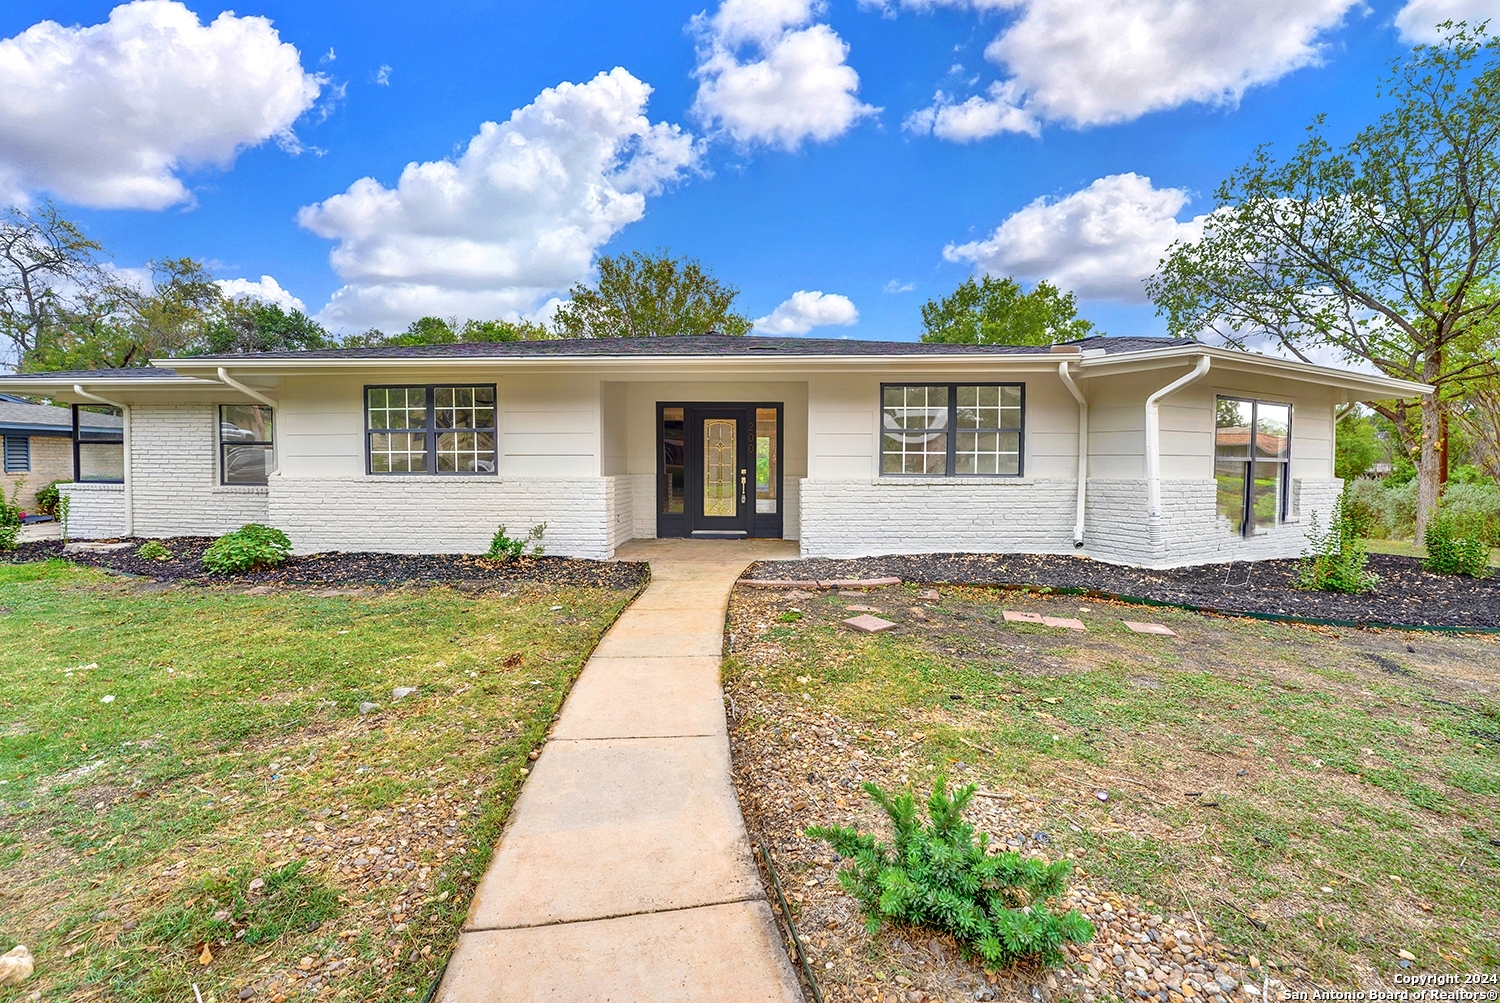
431,429
952,429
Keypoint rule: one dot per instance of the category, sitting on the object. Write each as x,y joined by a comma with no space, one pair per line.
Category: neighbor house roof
22,418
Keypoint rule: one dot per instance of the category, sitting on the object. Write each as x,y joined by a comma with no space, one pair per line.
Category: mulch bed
351,569
1406,595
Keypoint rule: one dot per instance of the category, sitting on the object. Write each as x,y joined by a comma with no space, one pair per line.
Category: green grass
183,769
1321,759
1410,548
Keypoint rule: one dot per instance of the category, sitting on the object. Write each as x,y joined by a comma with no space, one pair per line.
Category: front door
719,473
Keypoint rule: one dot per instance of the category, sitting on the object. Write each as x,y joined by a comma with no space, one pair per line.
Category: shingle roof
143,372
1114,346
17,417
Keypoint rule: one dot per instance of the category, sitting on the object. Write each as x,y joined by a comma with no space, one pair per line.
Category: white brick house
1187,454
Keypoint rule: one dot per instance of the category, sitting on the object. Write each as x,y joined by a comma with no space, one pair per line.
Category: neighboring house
38,445
1188,453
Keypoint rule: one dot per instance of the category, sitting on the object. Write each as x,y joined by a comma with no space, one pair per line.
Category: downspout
128,448
1083,449
1153,447
256,395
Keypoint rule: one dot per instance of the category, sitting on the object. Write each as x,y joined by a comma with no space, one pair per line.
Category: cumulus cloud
267,290
806,310
1095,62
108,115
1418,21
794,84
517,216
1101,242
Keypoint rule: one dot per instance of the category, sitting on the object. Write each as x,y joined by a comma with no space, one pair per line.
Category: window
673,455
952,429
430,430
246,455
98,444
1252,454
17,454
767,468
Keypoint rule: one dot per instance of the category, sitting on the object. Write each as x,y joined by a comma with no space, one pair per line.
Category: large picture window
246,453
952,429
1252,457
430,429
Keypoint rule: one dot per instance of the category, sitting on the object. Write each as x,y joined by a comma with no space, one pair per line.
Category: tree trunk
1429,464
1442,449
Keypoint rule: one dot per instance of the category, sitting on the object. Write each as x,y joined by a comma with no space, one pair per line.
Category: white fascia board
1362,386
61,388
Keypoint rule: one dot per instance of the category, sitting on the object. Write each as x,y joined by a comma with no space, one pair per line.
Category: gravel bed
186,565
1406,595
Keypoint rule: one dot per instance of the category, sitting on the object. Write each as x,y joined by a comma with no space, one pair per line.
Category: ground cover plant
219,787
249,548
1255,802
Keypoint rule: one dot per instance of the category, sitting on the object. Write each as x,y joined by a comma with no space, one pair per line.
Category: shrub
1475,509
1336,560
503,547
47,498
10,518
1449,553
153,550
941,877
248,548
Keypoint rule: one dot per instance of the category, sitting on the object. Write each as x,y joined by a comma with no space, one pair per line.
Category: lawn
195,792
1408,548
1319,799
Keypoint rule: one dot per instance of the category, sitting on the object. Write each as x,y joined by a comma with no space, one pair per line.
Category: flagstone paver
625,871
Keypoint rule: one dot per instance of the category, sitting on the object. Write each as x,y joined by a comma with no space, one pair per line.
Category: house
38,442
1143,451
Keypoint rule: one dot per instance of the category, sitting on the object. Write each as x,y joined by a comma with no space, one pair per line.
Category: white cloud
383,76
267,290
1101,242
1095,62
108,115
805,310
796,86
897,286
1418,20
514,218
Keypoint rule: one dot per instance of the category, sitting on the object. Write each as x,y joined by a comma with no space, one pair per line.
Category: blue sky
794,148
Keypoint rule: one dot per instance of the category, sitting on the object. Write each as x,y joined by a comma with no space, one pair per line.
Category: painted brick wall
853,518
51,460
174,473
620,501
95,511
410,515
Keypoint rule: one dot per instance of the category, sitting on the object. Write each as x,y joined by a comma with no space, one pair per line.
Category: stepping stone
929,595
1150,628
1063,621
1016,616
862,609
868,624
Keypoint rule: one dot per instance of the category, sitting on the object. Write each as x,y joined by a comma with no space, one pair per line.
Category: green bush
153,550
48,497
1475,509
941,877
504,548
1449,553
10,518
1336,559
248,548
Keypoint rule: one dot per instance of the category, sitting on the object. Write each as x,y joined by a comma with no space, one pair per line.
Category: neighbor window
951,429
1252,456
430,430
17,454
246,455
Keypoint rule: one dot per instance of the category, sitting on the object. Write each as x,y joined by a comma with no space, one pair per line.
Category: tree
42,253
437,331
1356,446
647,296
997,312
1380,249
251,325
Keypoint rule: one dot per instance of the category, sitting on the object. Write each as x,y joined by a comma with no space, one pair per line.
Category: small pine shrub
1451,554
1336,560
153,550
503,548
248,548
941,877
48,497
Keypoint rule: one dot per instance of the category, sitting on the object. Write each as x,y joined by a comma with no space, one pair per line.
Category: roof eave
1364,385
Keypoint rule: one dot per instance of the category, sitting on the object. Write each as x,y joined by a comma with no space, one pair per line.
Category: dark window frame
952,430
223,459
25,449
432,431
1246,528
79,439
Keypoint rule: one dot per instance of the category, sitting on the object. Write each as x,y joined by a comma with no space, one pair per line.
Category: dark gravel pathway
351,569
1406,595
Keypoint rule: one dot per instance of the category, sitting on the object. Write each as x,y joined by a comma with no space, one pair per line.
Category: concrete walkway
625,873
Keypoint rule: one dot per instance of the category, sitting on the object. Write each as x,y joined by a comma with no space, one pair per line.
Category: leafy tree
250,325
996,311
647,296
1381,249
42,253
437,331
1356,446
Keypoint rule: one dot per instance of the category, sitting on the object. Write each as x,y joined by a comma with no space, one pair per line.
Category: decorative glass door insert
720,466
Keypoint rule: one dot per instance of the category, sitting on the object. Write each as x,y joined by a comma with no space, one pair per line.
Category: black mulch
352,569
1406,594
